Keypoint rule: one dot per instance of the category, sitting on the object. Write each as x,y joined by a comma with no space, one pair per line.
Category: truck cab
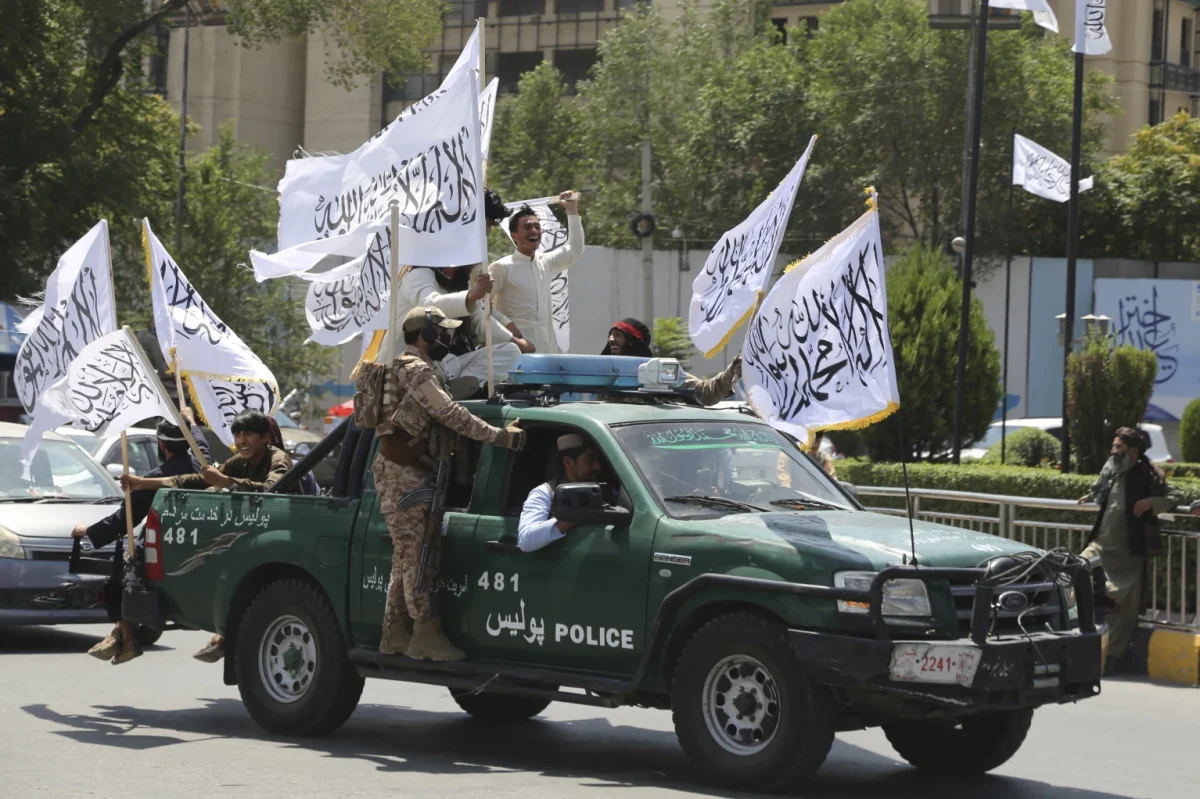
713,569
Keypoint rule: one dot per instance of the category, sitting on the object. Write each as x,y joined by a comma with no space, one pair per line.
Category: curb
1165,654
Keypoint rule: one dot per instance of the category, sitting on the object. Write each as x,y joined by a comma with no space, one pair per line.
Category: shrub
670,339
1107,387
924,299
1027,446
1189,432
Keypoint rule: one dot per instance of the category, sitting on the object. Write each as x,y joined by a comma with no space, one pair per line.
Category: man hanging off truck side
416,419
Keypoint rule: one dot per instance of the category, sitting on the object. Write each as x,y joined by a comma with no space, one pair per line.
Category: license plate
934,663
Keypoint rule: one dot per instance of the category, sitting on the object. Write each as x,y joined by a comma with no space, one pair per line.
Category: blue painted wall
1047,299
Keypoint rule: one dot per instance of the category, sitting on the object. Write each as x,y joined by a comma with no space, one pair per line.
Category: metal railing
1174,589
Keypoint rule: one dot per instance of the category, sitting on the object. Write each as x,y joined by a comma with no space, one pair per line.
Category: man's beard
1121,463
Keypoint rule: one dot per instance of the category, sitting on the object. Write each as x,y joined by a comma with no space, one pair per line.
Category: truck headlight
900,597
10,545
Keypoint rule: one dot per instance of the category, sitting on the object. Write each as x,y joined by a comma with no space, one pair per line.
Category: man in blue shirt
578,462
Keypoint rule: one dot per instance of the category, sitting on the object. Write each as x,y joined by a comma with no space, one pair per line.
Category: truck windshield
750,464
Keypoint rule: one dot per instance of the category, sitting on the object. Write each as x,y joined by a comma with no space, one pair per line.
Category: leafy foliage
81,135
1147,201
1107,388
670,340
226,215
924,306
1189,432
1027,446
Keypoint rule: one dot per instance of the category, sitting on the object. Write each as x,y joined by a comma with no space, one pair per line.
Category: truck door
579,602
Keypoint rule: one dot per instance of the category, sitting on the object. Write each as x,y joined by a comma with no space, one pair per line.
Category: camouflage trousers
406,514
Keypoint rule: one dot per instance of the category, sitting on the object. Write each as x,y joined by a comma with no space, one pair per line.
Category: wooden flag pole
481,24
128,498
395,331
162,390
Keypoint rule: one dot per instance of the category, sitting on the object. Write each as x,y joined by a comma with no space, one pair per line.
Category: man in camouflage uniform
417,421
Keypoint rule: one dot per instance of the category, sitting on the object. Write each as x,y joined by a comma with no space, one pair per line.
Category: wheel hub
741,705
287,661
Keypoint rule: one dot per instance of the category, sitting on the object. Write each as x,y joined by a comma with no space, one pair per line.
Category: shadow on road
404,740
52,640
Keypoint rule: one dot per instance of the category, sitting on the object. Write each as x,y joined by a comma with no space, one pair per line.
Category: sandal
211,653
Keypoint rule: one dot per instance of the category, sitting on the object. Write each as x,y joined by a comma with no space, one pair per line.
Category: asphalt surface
165,725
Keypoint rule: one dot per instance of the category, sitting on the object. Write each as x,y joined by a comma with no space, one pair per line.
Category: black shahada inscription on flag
192,317
109,381
436,189
235,396
829,339
560,309
61,335
349,304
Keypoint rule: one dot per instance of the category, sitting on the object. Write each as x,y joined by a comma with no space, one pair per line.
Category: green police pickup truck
715,571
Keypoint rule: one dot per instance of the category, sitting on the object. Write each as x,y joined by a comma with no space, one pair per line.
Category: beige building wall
260,92
337,119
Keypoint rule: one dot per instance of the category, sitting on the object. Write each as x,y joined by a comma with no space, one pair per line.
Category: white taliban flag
196,342
107,388
1041,172
353,298
818,355
430,163
738,268
487,114
1043,14
1091,27
78,309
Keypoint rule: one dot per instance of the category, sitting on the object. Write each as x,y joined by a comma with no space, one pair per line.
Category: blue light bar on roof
577,371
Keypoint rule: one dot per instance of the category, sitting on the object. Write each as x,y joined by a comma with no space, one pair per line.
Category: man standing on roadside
1131,492
521,281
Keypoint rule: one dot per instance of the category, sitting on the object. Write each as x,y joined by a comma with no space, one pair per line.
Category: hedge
1017,481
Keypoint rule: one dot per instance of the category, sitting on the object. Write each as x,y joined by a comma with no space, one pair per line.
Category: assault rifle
433,525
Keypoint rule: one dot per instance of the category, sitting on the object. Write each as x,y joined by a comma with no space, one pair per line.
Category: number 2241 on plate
934,663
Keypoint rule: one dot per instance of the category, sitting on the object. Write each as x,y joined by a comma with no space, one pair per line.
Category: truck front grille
1044,607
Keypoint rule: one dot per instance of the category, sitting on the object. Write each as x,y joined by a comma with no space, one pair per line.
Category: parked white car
143,449
1158,451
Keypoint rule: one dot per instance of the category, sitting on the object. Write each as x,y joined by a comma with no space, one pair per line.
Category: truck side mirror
583,503
117,469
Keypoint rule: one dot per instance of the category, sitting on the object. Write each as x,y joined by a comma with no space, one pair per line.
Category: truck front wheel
972,745
499,708
745,713
292,669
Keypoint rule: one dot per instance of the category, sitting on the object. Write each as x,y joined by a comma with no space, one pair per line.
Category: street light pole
1072,253
960,377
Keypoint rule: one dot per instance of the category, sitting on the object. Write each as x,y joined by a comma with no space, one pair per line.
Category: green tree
924,305
670,339
1147,201
537,144
80,135
226,215
1189,432
1107,388
887,91
1026,446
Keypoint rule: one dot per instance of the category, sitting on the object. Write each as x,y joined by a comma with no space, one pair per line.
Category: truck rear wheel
292,669
499,708
744,712
973,745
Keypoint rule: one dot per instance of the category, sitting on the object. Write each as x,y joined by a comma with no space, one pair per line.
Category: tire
291,664
791,720
499,708
146,636
974,745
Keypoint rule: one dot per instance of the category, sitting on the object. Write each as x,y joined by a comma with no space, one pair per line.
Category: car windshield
708,468
89,444
282,419
60,469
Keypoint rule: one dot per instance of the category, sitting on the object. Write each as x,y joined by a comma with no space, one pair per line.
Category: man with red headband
630,337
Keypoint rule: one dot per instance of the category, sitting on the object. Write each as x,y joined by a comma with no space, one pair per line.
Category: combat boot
430,643
396,637
109,647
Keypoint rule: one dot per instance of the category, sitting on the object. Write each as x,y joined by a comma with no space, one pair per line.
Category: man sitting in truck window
630,337
579,461
255,466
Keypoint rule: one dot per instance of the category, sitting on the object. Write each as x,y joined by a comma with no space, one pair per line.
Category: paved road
165,725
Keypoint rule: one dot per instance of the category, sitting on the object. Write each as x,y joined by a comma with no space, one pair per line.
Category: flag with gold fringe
818,355
739,266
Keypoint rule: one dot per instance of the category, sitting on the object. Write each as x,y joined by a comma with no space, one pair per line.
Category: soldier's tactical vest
382,401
